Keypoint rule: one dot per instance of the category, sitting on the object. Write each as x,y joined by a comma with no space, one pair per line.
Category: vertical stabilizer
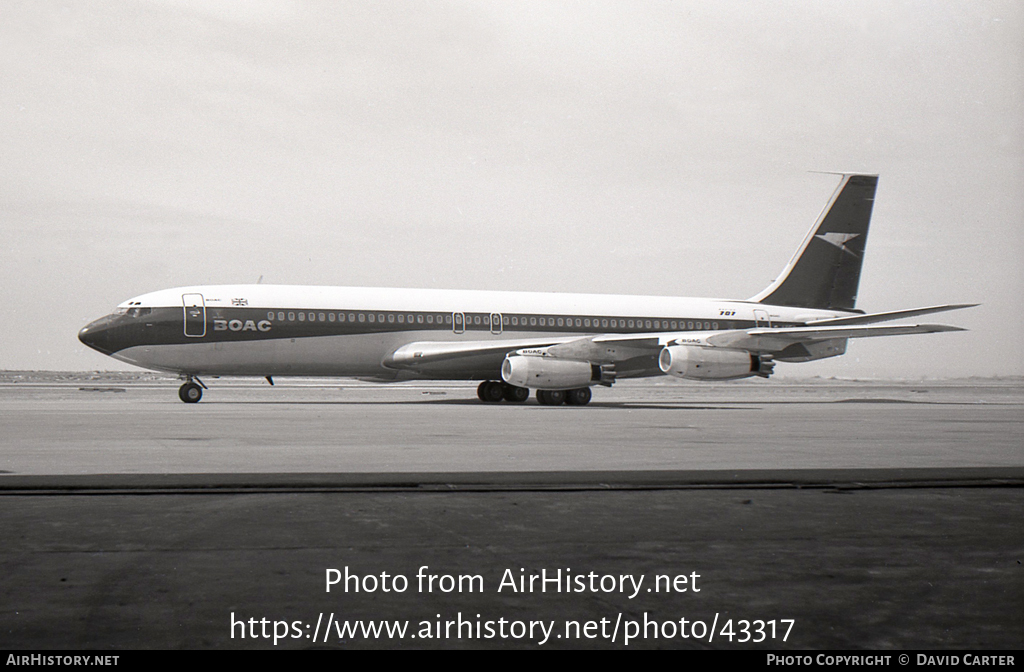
825,271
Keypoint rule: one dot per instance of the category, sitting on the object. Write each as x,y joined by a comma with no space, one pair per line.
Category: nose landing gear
191,392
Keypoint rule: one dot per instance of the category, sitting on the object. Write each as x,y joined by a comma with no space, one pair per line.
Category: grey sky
621,147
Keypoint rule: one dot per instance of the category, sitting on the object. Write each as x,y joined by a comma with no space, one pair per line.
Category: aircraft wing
611,348
761,339
421,353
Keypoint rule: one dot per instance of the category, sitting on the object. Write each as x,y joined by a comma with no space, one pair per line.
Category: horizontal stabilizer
774,340
887,316
854,331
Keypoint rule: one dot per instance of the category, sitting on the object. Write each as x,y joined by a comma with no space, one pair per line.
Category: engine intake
698,363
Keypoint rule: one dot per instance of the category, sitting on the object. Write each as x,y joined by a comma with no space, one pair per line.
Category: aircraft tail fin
825,271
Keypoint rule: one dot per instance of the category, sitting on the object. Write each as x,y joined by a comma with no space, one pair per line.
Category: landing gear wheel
190,393
551,397
515,394
578,397
490,391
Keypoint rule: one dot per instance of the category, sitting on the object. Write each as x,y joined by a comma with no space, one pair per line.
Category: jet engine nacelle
697,363
547,373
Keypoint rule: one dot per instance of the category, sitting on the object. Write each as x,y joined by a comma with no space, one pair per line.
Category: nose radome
88,336
92,335
88,333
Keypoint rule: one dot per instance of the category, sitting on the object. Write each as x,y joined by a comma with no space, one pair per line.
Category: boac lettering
238,325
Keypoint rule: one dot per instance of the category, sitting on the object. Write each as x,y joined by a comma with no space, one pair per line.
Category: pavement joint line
496,488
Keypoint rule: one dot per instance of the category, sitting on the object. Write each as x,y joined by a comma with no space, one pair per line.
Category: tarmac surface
875,515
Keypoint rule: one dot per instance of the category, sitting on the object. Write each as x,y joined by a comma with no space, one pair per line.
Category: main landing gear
492,391
577,397
191,392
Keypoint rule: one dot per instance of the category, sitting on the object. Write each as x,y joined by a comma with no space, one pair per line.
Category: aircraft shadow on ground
473,402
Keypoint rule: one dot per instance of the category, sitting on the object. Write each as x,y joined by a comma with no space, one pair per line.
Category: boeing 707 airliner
560,345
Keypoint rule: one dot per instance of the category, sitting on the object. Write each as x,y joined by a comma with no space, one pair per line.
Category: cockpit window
120,310
139,312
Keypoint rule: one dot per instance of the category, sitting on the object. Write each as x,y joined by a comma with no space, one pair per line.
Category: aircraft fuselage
267,330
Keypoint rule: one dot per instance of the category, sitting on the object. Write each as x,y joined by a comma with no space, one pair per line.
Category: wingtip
844,173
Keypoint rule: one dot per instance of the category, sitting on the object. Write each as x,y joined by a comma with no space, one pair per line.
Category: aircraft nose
86,336
96,335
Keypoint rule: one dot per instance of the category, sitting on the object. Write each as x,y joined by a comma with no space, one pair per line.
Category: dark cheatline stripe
160,326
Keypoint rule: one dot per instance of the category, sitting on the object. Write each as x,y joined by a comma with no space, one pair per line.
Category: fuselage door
495,323
195,315
761,318
458,322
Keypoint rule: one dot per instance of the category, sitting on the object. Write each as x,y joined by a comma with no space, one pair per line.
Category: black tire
190,393
578,397
514,394
480,390
491,391
551,397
